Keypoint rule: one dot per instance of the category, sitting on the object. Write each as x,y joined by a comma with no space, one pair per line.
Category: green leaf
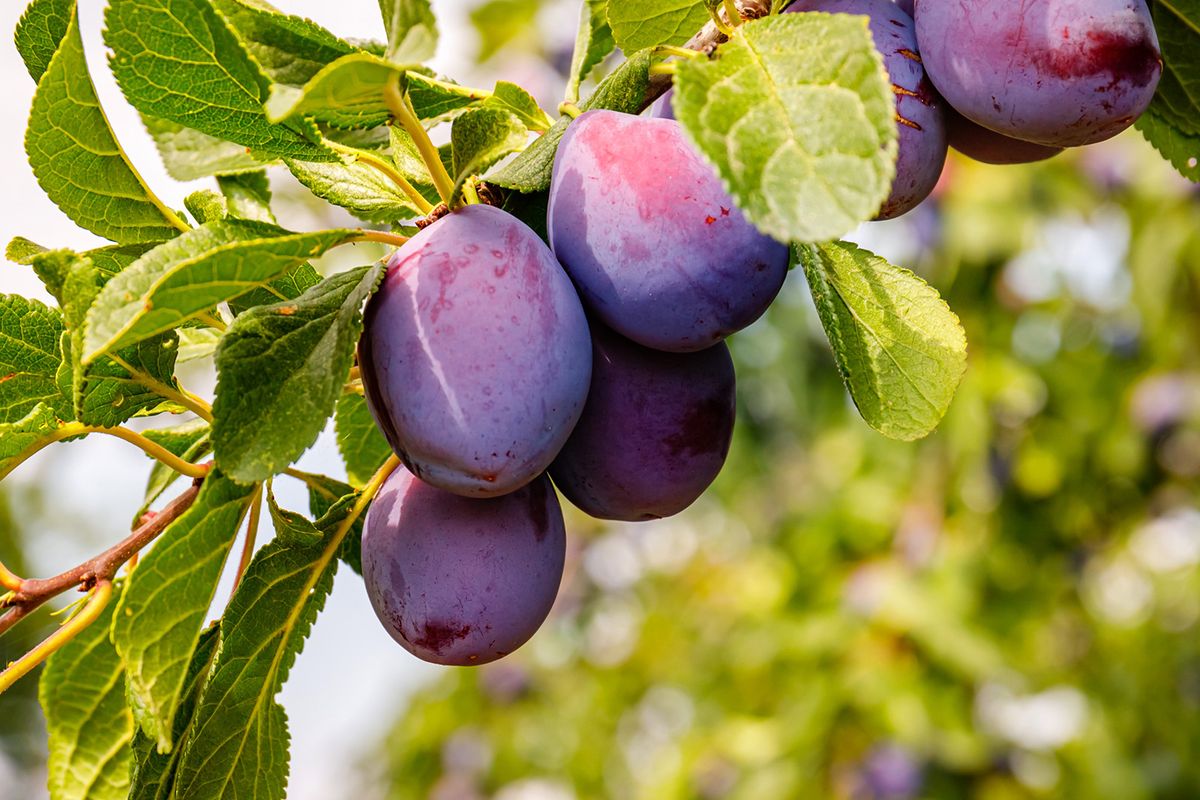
593,42
196,343
289,49
166,599
796,113
238,744
515,100
248,196
185,277
362,446
411,30
22,251
347,93
328,503
624,90
27,434
481,137
645,23
290,526
153,773
82,693
189,154
205,206
434,98
356,186
189,441
178,60
281,369
43,25
78,162
30,357
1172,123
899,347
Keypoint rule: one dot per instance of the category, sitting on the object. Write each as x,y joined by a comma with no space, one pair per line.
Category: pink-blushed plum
458,580
654,433
920,118
977,142
475,353
1059,73
654,243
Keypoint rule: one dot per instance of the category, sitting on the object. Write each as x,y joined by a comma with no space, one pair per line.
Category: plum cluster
495,364
1005,82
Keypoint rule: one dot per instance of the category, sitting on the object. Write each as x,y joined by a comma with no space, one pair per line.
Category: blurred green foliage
1007,609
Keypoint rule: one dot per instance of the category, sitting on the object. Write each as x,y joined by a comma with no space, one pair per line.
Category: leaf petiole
251,535
189,401
398,103
9,580
382,165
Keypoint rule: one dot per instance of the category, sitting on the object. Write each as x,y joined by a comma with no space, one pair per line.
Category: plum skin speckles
654,433
457,580
660,253
475,354
1060,73
920,119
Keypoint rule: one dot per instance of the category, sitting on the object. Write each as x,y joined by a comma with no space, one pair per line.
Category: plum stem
469,195
402,110
382,165
664,68
569,109
382,237
678,52
733,13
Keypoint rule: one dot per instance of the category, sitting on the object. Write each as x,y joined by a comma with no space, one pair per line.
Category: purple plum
476,355
919,109
654,243
654,433
977,142
1059,73
459,580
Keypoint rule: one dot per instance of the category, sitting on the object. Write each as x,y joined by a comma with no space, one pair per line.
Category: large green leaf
82,693
624,90
796,113
646,23
411,30
238,744
30,357
193,273
166,599
899,347
78,162
347,93
1172,123
178,60
512,98
281,369
479,138
433,98
41,28
290,49
153,773
362,446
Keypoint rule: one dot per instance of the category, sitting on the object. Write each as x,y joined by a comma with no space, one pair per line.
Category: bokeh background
1007,609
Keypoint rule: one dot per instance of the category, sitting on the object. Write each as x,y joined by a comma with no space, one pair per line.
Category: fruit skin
977,142
1056,72
476,355
919,109
662,108
655,245
457,580
654,433
906,6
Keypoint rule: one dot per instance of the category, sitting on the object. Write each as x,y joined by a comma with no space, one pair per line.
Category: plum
654,243
459,580
476,355
977,142
654,433
1059,73
662,108
919,109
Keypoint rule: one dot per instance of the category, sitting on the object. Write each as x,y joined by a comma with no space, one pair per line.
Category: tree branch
33,593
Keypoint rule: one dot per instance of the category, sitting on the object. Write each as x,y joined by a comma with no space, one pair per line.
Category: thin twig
33,592
251,535
101,594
